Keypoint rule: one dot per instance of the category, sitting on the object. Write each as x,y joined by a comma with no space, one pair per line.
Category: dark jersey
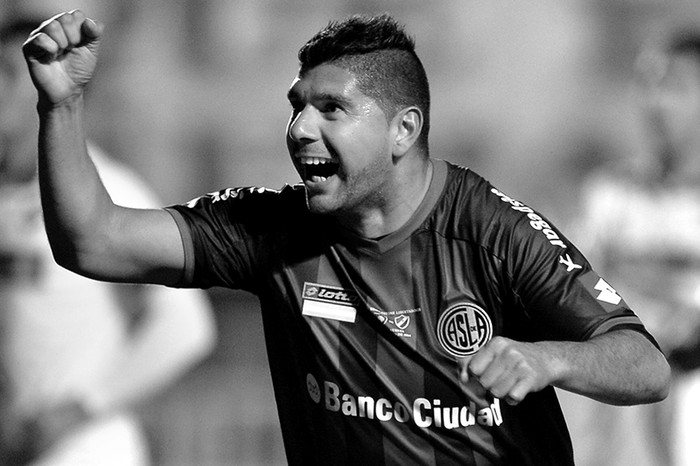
363,336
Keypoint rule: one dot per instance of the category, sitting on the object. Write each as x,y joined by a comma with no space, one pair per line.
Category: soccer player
414,314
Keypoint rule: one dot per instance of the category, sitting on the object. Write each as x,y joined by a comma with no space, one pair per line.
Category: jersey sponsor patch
536,221
603,292
425,413
463,329
329,302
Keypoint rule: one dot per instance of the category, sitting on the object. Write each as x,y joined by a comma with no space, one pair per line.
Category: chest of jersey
425,292
385,331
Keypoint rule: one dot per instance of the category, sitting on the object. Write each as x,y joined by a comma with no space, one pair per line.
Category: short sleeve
554,283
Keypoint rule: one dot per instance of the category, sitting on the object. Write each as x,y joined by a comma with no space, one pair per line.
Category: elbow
63,248
662,387
77,252
68,257
85,258
658,381
653,388
64,254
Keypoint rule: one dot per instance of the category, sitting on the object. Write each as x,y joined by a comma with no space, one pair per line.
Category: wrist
70,104
557,363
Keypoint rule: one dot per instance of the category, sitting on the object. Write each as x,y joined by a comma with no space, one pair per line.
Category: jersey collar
385,243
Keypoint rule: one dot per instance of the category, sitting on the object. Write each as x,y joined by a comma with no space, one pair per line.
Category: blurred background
532,95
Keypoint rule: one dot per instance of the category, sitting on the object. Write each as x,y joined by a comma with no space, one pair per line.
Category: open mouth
317,169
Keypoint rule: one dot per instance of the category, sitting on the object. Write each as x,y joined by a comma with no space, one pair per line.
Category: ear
407,124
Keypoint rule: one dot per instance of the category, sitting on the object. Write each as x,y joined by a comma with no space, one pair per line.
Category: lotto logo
329,302
330,294
463,329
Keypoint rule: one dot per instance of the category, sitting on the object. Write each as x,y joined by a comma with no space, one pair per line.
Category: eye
331,108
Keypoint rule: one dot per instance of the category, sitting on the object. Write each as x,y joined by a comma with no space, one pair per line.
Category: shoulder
253,197
476,210
250,205
466,189
473,203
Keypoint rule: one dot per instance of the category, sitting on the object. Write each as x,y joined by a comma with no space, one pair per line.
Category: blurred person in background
77,356
413,313
641,226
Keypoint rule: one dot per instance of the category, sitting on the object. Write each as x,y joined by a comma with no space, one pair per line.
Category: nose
303,126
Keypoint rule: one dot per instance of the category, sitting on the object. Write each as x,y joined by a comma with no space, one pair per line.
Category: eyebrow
323,96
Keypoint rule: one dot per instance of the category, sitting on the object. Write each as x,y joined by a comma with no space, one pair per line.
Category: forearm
74,201
89,234
621,367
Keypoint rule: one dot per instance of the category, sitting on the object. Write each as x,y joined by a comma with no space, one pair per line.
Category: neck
383,219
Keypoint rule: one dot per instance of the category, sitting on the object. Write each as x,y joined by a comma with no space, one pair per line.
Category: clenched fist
61,55
510,369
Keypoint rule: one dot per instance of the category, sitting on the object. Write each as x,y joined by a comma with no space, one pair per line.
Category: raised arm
89,234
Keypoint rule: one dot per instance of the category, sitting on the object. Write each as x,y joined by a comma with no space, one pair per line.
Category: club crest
463,329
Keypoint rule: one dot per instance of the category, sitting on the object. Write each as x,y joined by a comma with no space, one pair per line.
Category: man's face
339,141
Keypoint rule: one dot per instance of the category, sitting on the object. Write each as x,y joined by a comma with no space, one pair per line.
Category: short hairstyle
381,56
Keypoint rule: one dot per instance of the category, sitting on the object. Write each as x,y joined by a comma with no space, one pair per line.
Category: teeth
313,161
317,169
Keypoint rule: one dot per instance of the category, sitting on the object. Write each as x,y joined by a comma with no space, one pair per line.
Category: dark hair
381,56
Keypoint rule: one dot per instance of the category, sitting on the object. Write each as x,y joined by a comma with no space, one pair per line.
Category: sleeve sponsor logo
569,263
603,292
422,412
463,329
536,222
329,302
607,293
